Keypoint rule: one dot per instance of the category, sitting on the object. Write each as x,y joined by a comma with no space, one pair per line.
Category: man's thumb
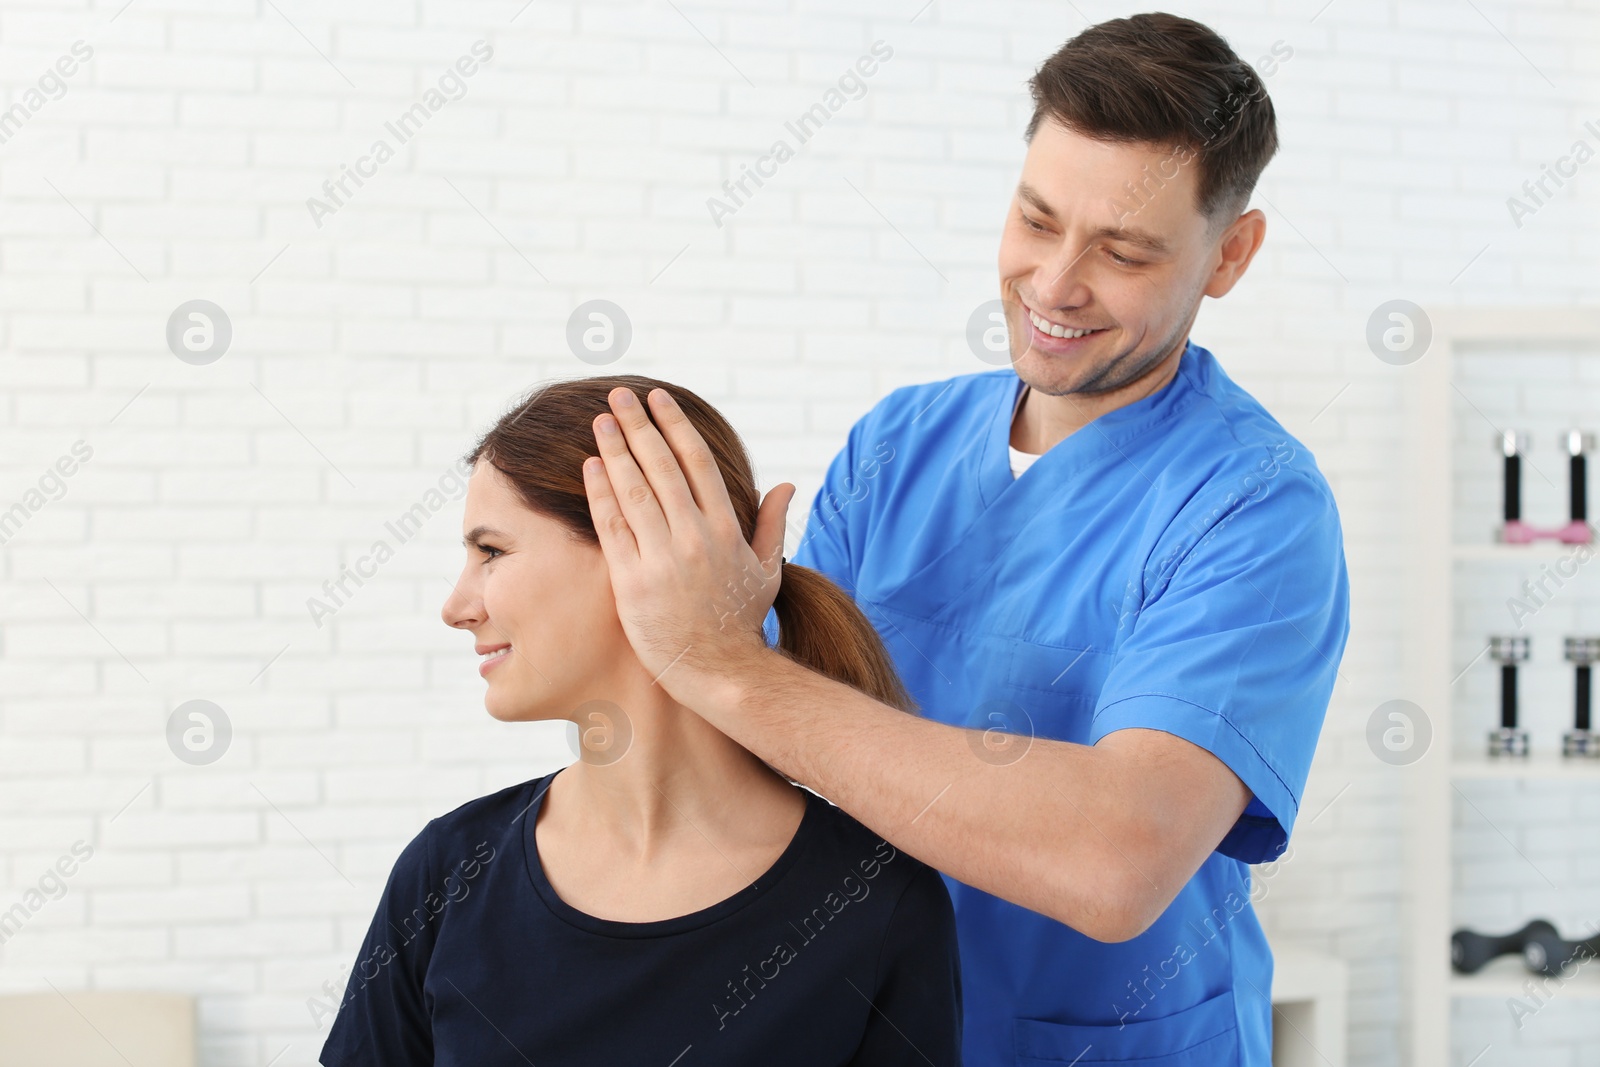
770,518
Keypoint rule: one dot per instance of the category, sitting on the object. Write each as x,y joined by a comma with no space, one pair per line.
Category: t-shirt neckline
658,927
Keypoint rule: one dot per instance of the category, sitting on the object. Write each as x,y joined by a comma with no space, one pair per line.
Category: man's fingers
694,458
616,538
654,458
634,495
768,541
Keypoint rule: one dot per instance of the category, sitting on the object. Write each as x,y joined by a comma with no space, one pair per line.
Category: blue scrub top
1178,565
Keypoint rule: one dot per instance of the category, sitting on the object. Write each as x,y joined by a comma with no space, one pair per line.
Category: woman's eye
486,549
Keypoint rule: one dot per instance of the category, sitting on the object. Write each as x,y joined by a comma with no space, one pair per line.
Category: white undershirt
1020,460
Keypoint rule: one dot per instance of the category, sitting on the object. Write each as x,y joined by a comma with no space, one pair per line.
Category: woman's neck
682,819
677,776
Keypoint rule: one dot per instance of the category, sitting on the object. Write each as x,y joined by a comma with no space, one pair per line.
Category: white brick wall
366,353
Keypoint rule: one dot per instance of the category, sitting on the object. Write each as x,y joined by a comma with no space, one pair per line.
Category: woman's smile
492,656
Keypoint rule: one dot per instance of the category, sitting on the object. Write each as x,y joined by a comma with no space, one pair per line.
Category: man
1123,655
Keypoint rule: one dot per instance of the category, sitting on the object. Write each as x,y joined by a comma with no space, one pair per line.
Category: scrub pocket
1056,687
1205,1035
1060,670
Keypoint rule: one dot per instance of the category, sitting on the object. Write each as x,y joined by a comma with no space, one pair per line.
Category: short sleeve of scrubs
1235,647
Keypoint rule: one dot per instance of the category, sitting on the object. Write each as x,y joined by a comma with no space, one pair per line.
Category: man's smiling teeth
1056,331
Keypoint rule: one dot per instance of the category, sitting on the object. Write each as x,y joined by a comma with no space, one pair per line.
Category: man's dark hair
1165,80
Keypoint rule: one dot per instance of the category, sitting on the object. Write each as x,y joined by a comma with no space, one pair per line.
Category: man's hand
691,592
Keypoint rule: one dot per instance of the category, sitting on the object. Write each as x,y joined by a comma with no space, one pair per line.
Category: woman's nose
458,609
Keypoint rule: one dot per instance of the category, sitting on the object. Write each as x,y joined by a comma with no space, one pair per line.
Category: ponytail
820,627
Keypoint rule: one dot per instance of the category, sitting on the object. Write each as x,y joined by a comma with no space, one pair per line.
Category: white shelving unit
1434,555
1309,991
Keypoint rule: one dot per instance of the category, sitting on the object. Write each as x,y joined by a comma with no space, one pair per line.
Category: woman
669,898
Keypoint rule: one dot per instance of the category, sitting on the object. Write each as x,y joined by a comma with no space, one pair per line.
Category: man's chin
1051,374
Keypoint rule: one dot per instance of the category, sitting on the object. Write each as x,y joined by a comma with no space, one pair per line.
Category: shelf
1505,977
1450,542
1538,550
1538,765
1301,973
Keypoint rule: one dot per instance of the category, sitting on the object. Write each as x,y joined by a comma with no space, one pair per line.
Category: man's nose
1059,282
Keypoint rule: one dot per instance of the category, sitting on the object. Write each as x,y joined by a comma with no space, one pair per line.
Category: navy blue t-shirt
843,952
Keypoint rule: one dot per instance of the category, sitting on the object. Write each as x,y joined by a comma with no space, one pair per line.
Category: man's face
1103,237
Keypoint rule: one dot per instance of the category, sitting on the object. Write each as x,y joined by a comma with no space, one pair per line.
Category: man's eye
1034,226
1122,261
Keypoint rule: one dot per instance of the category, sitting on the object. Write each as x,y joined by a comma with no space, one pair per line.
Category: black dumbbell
1469,950
1548,953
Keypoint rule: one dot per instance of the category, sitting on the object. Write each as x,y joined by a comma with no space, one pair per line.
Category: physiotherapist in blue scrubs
1115,584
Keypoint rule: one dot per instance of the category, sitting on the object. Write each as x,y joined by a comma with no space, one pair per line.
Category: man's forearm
1047,831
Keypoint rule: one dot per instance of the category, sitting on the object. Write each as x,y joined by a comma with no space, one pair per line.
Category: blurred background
268,268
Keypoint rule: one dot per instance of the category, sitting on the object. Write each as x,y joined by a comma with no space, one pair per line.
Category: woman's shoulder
478,829
494,809
865,853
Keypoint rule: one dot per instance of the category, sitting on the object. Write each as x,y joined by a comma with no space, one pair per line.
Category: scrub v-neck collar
1105,433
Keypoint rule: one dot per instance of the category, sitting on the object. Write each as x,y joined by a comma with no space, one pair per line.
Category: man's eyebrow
1129,234
479,532
1133,236
1031,195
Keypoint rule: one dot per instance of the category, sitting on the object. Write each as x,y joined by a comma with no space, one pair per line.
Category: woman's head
536,580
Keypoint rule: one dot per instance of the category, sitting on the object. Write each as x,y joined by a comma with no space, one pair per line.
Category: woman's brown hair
540,446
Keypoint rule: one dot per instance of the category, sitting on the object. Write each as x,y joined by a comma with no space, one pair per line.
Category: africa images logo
451,85
743,989
851,85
